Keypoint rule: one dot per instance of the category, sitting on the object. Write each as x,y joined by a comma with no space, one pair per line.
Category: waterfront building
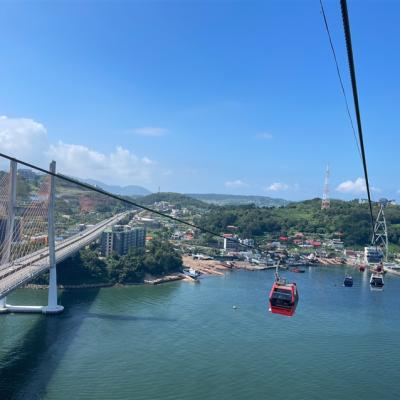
231,242
121,238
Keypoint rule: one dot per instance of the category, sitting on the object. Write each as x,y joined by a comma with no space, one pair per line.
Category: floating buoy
234,307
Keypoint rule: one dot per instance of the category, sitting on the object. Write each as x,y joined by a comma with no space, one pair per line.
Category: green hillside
348,217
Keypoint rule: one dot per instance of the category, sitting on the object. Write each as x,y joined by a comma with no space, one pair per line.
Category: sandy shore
215,267
206,267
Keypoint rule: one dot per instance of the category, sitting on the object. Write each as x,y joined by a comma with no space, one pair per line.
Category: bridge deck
24,269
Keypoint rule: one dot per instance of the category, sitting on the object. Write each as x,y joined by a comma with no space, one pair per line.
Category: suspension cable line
346,26
340,77
122,199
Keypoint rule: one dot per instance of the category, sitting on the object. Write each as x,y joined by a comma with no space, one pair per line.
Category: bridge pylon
11,205
52,306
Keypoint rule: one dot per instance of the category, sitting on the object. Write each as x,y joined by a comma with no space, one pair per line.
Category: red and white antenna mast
325,196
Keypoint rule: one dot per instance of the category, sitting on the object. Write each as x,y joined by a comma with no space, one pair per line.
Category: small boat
391,266
191,272
376,280
348,281
298,270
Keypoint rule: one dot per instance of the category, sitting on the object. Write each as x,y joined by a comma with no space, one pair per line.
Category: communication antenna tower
380,236
325,196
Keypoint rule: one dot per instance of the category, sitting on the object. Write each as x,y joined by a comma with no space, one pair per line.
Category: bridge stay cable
35,213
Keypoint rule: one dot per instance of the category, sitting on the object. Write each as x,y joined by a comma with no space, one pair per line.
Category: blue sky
201,96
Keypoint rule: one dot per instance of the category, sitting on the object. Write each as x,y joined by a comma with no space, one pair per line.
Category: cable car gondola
283,297
376,280
348,281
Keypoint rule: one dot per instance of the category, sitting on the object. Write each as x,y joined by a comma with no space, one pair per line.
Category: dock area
253,267
164,279
216,267
330,261
206,267
392,271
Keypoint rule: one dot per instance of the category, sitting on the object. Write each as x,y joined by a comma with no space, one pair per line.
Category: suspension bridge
28,245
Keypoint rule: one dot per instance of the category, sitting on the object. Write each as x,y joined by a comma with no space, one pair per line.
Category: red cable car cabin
283,298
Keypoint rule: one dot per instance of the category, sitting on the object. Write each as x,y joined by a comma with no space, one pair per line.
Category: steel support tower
380,236
325,196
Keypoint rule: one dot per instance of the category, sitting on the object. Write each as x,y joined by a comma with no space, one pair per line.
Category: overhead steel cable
347,34
124,200
340,76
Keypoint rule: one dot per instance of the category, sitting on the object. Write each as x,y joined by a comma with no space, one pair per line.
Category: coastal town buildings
121,238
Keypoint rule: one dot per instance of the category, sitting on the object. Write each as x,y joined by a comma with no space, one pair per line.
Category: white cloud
235,184
150,131
121,167
277,187
27,139
264,135
22,138
355,187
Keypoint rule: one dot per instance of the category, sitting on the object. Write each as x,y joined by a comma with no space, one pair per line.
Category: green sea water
185,341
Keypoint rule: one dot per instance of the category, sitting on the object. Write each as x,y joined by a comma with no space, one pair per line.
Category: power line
122,199
339,76
347,34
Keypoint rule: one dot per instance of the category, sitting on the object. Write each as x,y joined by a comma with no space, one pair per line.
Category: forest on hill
349,218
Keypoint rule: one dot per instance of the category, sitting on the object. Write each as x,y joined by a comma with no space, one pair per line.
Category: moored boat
298,270
392,266
191,272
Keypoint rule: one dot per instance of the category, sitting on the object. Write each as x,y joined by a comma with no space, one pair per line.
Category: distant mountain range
210,198
231,199
131,190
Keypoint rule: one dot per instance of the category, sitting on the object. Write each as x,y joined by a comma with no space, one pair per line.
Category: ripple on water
182,341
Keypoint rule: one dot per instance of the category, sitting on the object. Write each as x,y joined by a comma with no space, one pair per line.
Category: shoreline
205,267
152,281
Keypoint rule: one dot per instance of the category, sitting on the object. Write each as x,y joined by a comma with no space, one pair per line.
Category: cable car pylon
380,235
